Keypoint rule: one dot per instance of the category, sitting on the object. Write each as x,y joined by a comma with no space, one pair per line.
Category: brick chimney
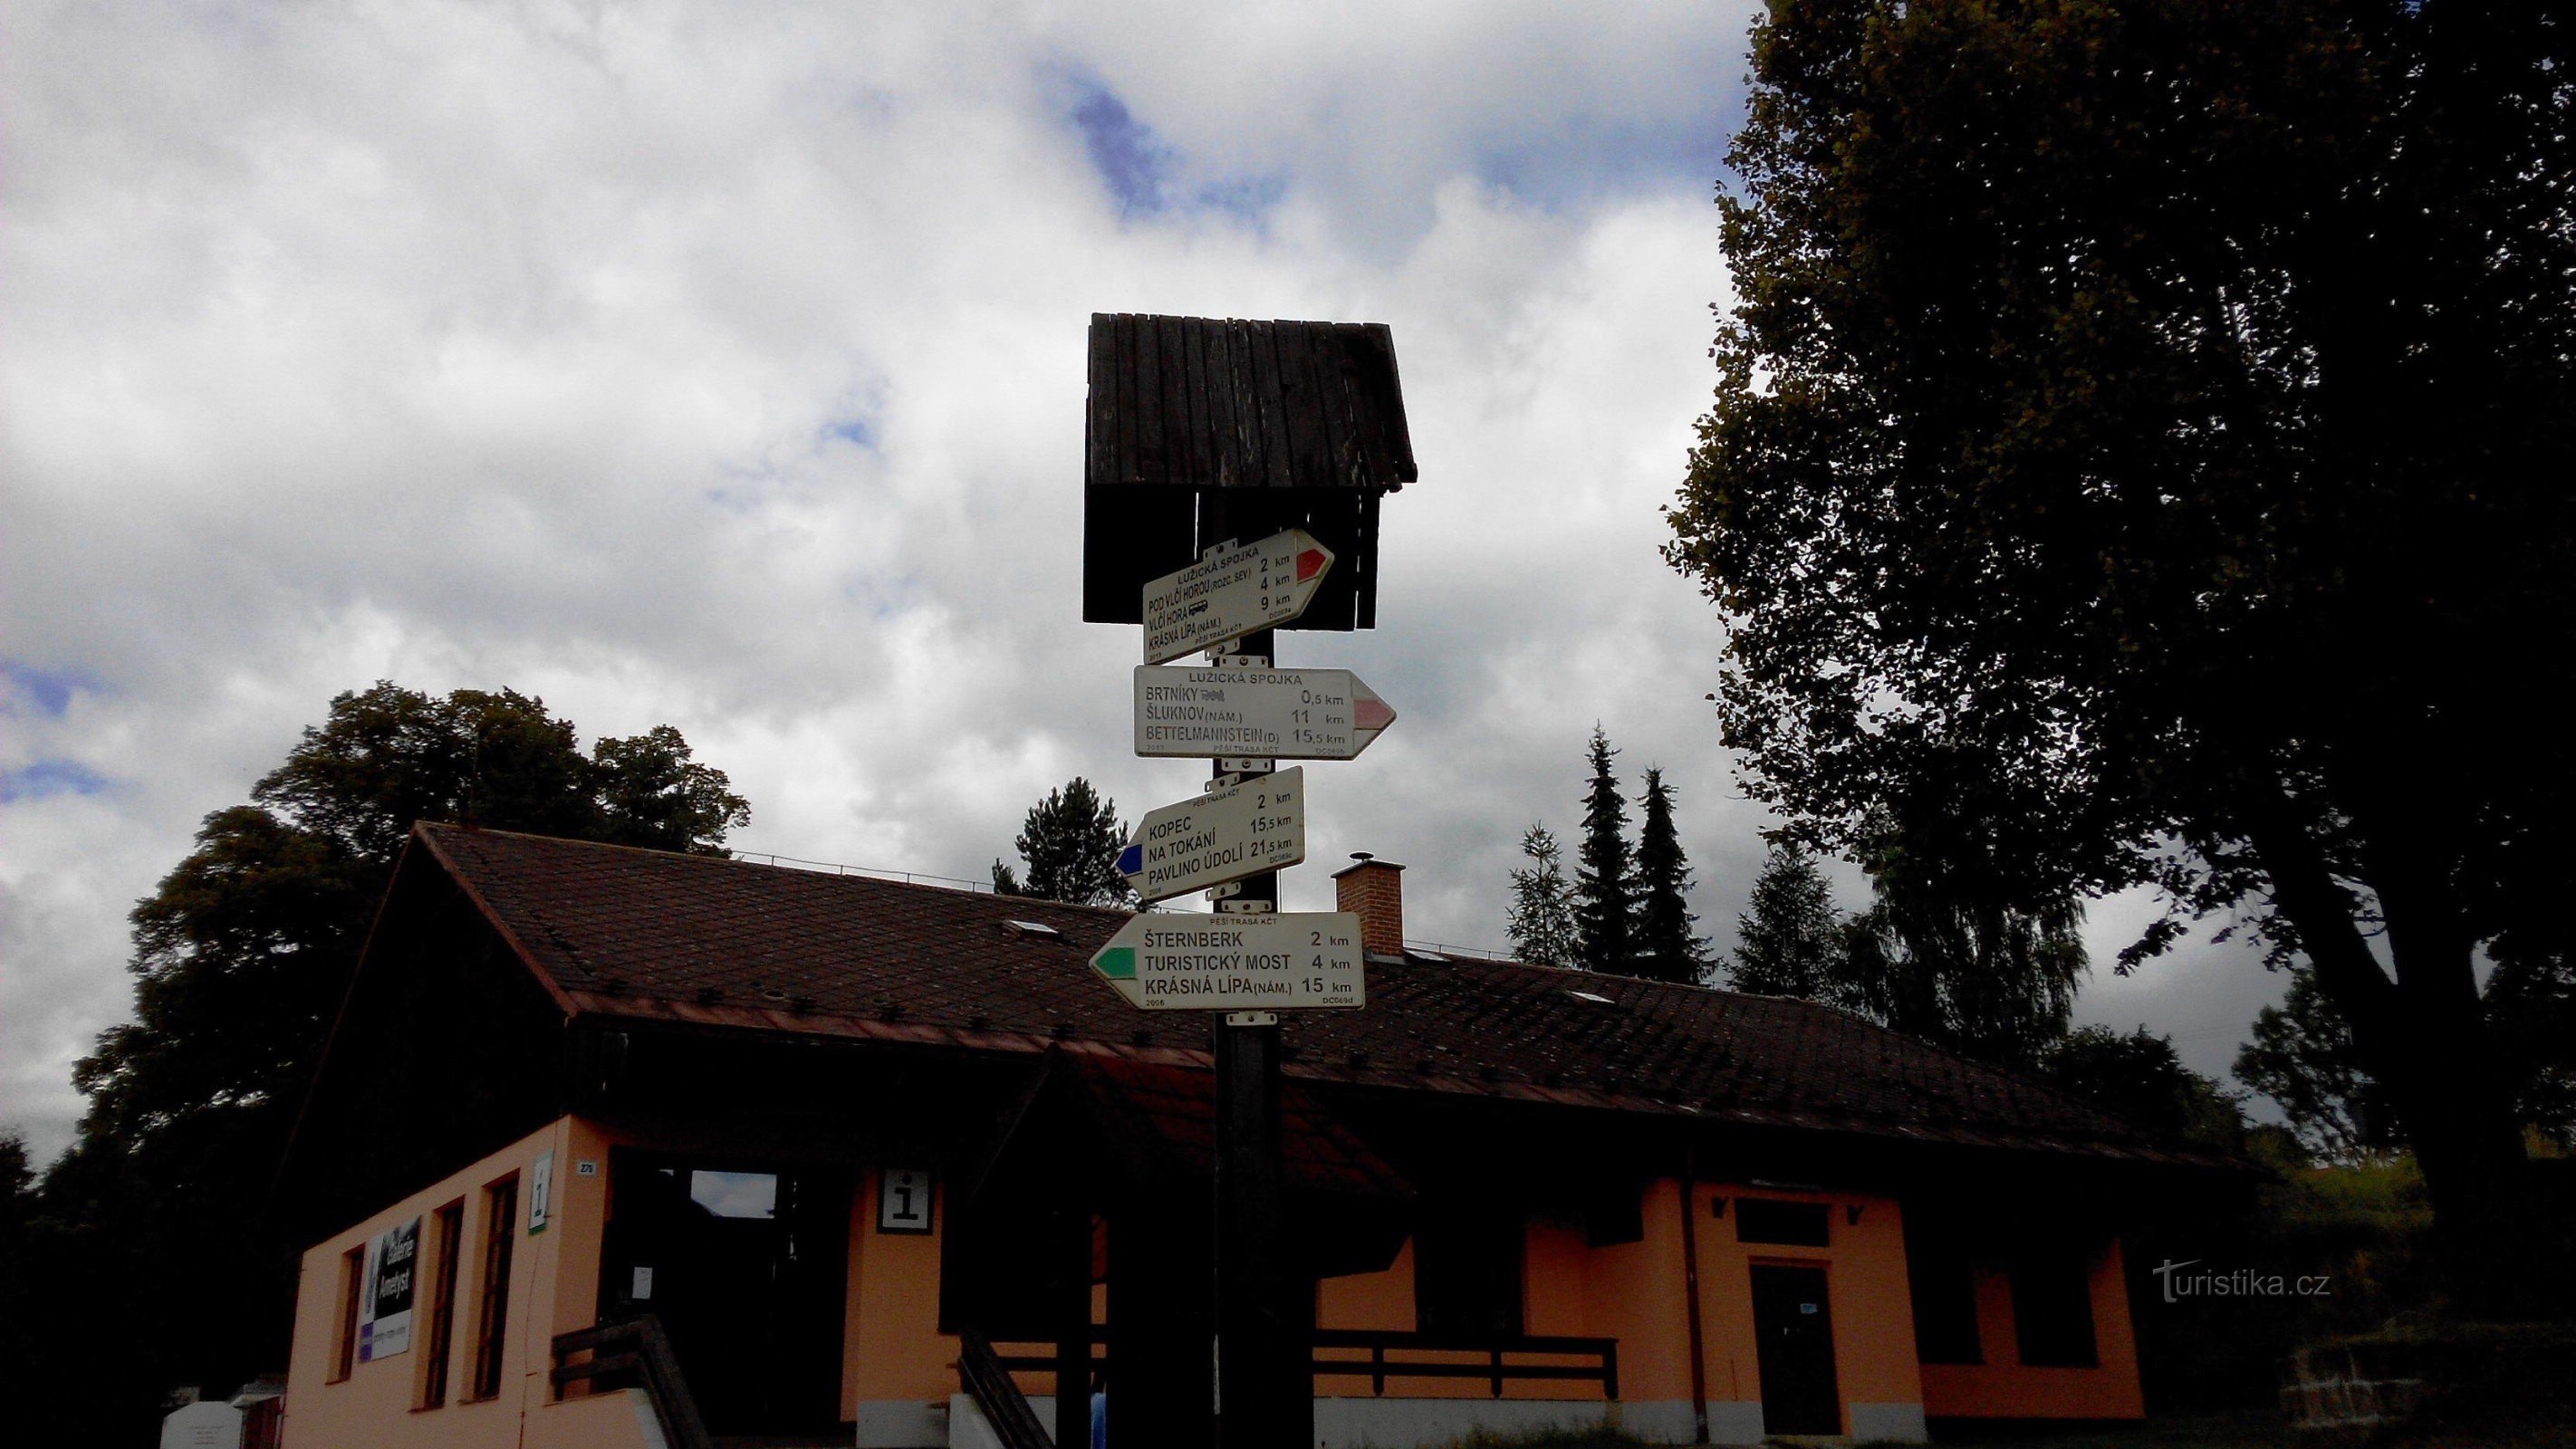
1374,890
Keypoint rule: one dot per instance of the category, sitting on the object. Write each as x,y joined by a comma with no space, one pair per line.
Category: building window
450,1228
492,1317
344,1351
1945,1293
1467,1273
1769,1220
2052,1297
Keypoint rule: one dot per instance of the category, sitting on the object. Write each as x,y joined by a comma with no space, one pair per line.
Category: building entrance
1795,1325
747,1266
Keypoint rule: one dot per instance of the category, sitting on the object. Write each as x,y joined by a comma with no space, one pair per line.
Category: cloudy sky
722,365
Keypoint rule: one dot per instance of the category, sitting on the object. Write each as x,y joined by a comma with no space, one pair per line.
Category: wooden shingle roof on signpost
1200,402
1291,424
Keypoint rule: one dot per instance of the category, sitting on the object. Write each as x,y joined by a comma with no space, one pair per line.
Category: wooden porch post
1073,1326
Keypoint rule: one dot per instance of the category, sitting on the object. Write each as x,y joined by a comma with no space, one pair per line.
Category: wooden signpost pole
1265,1396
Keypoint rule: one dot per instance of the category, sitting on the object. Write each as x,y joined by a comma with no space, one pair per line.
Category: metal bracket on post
1239,907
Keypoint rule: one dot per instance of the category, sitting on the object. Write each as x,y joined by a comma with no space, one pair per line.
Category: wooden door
1794,1323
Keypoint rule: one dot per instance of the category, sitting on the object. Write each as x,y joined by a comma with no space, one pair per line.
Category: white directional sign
1229,595
1221,836
1171,961
1295,714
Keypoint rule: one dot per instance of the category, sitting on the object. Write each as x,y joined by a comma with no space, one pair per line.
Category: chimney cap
1362,860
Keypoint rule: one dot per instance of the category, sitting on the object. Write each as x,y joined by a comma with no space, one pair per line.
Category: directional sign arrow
1295,714
1223,835
1165,961
1233,593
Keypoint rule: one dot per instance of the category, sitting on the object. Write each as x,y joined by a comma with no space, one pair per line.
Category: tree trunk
2423,1036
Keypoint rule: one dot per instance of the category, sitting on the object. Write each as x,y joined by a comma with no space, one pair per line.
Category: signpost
1165,962
1233,592
1289,714
1194,463
1218,838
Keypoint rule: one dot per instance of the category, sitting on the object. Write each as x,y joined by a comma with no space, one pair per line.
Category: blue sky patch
1130,158
50,777
1146,174
49,689
1583,159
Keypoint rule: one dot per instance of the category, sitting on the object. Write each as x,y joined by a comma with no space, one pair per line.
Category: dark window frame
1784,1222
440,1345
492,1303
344,1353
1471,1272
2052,1300
1941,1278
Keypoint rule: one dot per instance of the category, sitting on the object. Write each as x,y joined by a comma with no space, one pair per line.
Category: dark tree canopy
2141,1077
1605,888
1666,949
1941,954
1790,939
241,957
2301,1056
1070,844
2150,424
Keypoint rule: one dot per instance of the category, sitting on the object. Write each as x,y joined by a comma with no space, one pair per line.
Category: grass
2253,1430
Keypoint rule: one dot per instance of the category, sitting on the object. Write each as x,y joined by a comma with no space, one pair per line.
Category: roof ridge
729,858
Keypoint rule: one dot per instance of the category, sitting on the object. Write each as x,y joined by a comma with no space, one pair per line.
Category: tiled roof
646,934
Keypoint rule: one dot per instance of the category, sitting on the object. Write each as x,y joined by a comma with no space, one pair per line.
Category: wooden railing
1396,1354
634,1351
1506,1359
986,1377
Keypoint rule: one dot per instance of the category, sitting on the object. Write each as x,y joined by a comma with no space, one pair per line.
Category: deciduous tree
2154,418
241,957
1946,952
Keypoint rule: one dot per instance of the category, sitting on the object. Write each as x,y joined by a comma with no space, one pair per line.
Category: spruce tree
1666,949
1070,842
1542,919
1605,892
1791,937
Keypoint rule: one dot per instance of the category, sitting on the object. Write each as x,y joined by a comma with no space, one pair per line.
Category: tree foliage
2301,1056
2149,423
1542,912
241,957
1069,844
1605,888
2139,1076
1666,948
1790,938
1941,954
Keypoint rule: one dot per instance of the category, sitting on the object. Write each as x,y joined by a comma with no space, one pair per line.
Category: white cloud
723,365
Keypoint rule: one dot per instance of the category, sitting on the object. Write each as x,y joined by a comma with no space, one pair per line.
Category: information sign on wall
384,1322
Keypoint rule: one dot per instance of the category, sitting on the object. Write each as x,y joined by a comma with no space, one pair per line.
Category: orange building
621,1148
